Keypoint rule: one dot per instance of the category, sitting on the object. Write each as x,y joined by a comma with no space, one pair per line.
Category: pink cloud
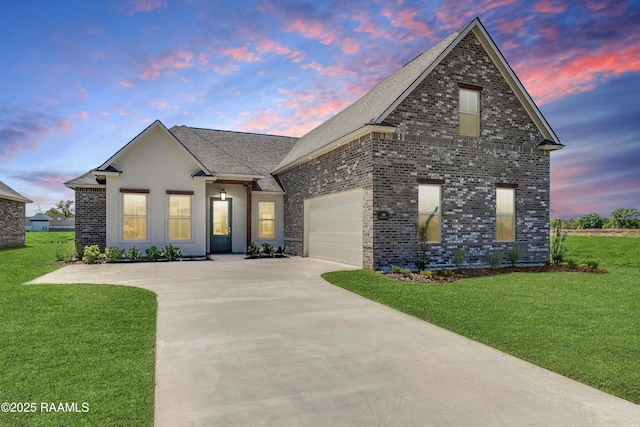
327,70
453,14
136,6
127,83
545,6
405,19
311,29
241,54
167,62
350,46
510,25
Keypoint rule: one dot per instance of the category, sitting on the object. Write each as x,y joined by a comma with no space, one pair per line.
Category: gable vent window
469,111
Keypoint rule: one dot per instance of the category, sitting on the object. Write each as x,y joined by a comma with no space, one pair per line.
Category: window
266,220
429,213
505,214
469,112
179,217
134,215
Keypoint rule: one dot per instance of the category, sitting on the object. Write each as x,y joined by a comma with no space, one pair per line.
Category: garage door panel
334,228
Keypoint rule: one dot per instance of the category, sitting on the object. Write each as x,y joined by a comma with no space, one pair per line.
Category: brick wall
91,218
346,168
12,214
427,144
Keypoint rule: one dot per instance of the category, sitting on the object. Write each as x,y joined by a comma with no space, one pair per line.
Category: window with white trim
180,214
266,220
505,214
429,213
134,215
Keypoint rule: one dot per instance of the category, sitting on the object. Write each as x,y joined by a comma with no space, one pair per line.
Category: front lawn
90,347
584,326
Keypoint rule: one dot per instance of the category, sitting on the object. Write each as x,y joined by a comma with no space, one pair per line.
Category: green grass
581,325
73,343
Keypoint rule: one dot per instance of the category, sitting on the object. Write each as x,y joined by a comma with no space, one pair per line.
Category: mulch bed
440,277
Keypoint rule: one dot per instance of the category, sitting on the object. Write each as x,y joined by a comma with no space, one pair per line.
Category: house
40,222
12,210
447,153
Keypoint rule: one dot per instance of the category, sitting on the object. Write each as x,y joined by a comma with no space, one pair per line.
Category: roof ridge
237,131
242,162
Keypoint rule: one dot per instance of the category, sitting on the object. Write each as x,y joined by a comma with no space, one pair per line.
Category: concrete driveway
268,342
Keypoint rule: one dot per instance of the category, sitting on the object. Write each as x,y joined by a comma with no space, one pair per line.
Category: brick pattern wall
91,218
12,214
427,144
346,168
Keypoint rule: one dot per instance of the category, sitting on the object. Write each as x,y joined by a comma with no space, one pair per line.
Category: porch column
248,185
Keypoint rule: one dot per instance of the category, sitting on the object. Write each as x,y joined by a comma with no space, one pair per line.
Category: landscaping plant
91,254
514,254
134,254
494,258
171,252
459,257
253,251
557,249
113,254
267,250
153,253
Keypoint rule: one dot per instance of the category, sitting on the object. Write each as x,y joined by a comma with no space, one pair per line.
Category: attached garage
333,227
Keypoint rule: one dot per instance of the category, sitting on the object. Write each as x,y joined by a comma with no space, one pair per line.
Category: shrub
514,254
253,251
91,254
113,254
572,264
63,253
459,257
171,252
557,250
494,258
588,221
399,270
446,273
134,254
153,253
280,251
267,249
428,273
592,264
422,258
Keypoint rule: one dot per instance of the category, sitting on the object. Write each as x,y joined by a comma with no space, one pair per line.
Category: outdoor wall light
223,195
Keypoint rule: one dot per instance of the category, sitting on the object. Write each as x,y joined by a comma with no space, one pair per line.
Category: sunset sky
80,79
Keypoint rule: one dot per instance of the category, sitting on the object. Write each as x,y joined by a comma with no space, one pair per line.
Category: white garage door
333,227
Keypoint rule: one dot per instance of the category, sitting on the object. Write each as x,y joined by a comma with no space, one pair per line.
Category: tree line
620,218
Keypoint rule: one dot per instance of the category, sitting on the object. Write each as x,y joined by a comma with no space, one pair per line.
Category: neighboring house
12,211
450,151
40,222
62,224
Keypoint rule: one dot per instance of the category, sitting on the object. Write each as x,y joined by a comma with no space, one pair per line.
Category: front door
220,226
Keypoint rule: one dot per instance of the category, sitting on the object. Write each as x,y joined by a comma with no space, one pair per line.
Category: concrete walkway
268,342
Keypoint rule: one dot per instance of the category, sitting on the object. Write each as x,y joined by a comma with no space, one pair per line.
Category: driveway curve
269,342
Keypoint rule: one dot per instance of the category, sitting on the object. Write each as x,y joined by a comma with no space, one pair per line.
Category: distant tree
624,218
592,220
66,207
571,223
54,213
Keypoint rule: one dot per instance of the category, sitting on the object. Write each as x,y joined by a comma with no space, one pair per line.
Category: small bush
405,272
267,249
494,258
280,251
134,254
253,251
514,254
171,252
428,273
153,253
64,253
557,250
113,254
572,264
592,264
459,257
422,258
91,254
446,273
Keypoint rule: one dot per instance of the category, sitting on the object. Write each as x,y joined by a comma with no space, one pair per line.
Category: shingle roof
237,153
41,217
9,193
369,108
88,179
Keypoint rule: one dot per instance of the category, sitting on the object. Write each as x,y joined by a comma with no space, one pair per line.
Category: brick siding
427,145
12,214
91,218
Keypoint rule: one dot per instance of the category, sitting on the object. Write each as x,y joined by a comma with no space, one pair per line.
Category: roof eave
362,131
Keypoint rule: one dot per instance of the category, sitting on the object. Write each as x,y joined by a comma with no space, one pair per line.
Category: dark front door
220,226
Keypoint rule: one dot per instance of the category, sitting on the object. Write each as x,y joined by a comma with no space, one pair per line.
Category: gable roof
108,165
237,155
374,107
9,193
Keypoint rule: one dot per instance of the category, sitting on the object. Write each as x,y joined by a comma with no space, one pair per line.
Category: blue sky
80,78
